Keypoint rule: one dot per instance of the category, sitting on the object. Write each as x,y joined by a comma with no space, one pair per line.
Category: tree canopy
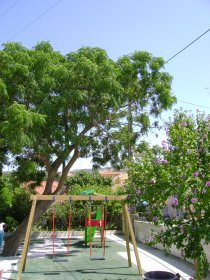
56,107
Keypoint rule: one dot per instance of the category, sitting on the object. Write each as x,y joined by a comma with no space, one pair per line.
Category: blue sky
162,27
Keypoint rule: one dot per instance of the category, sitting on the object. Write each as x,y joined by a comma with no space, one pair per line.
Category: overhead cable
36,19
8,9
193,104
188,45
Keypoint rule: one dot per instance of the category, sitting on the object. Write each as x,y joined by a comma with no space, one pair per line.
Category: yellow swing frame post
126,218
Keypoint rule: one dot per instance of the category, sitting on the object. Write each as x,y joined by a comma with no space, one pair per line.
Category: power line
193,104
36,19
188,45
8,9
178,54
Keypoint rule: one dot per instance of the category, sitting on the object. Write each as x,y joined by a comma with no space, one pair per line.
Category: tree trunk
196,264
12,242
130,130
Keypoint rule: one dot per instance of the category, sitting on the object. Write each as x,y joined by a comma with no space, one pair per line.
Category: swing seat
97,258
94,223
60,260
51,273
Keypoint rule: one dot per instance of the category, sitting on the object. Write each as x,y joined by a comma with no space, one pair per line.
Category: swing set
90,225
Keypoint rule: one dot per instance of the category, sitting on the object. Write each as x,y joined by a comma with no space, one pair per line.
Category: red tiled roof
40,189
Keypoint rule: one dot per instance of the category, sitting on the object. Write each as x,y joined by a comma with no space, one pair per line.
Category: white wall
145,231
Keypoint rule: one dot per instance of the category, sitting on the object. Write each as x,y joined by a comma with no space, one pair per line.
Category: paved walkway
40,264
153,259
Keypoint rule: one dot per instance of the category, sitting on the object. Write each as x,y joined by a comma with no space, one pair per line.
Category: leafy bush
14,201
180,169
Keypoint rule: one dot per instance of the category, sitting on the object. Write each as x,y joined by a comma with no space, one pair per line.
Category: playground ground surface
40,264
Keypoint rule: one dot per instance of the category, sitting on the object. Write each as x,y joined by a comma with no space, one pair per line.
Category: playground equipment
126,217
92,224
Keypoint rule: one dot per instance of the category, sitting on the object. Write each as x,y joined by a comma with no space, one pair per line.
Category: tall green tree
57,108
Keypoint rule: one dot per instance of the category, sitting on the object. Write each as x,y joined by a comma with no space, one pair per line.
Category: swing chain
69,225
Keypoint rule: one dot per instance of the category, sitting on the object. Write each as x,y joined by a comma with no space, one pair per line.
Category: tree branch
66,170
45,160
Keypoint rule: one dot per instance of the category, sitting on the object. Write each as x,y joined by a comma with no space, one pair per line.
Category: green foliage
28,171
181,170
147,93
6,195
87,180
18,126
14,202
21,204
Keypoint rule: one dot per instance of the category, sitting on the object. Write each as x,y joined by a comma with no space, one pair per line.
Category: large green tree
56,108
